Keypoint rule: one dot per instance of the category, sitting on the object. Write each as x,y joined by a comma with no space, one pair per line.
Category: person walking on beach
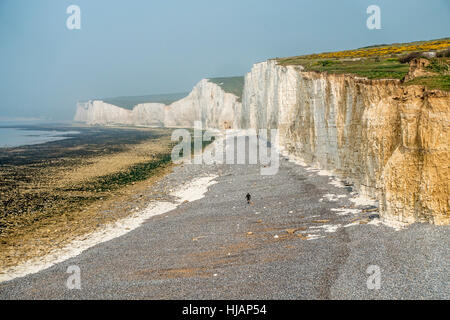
248,196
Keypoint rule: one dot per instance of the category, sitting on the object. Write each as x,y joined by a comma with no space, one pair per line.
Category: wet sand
53,192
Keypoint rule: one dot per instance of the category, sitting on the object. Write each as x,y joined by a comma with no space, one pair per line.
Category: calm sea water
14,137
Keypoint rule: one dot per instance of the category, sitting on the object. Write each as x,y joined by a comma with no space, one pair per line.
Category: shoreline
191,191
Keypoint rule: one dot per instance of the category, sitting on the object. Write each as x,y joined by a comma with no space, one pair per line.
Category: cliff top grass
234,85
130,102
380,62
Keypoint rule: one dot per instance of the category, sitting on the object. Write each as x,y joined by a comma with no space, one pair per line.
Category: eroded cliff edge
391,141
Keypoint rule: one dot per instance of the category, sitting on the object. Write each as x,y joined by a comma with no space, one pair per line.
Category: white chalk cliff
392,142
207,102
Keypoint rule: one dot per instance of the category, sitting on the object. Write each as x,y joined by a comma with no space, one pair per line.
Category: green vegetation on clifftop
381,62
234,85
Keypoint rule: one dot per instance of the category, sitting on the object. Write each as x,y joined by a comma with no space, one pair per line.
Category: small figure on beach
248,196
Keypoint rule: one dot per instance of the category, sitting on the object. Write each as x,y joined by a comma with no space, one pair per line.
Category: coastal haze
158,47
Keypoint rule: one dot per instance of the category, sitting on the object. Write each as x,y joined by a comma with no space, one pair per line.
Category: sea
15,134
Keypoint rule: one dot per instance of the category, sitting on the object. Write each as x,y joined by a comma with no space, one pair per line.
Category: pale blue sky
154,46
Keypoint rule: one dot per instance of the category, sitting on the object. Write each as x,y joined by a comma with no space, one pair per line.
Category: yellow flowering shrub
384,50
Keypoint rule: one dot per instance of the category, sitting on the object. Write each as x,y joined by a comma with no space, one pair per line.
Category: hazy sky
160,46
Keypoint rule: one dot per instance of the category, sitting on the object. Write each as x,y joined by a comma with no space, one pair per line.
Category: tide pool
14,137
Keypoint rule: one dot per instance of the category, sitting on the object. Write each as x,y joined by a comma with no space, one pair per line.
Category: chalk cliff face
391,141
207,102
102,113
